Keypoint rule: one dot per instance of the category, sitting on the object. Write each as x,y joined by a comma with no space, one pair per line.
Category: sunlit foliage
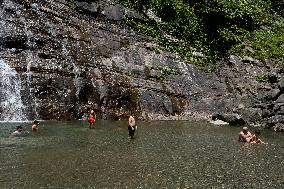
214,28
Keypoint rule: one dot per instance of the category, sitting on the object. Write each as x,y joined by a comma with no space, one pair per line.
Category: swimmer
19,131
35,126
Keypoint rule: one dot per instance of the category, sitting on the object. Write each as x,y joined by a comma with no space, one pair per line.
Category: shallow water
164,154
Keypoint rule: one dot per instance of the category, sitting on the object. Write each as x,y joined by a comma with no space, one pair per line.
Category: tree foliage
214,27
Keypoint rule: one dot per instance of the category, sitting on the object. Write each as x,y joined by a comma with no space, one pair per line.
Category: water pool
164,154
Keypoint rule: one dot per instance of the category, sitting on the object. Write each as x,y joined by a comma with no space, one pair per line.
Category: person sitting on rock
35,126
255,139
245,135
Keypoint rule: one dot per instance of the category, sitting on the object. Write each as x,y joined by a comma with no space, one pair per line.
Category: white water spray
11,106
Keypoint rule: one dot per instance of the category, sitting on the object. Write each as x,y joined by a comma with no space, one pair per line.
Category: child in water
19,131
91,121
255,139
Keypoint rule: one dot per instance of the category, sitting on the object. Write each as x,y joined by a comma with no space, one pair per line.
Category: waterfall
11,106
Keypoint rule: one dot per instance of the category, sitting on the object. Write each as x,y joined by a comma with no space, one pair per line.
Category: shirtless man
35,126
131,126
245,135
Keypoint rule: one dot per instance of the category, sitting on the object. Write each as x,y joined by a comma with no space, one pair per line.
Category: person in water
245,135
91,121
255,139
131,126
35,126
19,131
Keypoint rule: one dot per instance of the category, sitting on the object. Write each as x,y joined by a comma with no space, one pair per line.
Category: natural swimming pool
165,154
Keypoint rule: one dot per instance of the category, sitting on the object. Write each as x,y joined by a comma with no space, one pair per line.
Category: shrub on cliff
213,28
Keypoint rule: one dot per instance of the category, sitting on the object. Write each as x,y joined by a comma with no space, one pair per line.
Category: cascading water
11,106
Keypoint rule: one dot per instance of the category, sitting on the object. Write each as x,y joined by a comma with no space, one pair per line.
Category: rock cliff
73,56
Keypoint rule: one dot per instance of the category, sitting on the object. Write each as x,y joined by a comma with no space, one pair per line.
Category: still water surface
164,154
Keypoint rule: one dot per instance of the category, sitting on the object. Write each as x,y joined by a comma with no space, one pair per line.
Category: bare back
131,121
245,136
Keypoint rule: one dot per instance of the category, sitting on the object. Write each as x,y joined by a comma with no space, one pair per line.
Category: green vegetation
134,97
72,4
262,78
161,74
202,31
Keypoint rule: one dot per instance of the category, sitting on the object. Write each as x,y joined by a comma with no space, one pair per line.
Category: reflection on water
163,155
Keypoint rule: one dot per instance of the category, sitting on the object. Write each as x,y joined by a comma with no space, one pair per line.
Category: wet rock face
258,86
73,57
88,61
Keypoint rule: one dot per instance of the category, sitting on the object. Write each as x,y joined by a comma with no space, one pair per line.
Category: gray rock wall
80,56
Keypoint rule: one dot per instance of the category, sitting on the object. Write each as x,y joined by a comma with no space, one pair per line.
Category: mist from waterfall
11,105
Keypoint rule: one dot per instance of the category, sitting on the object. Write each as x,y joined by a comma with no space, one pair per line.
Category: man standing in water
35,126
245,135
131,126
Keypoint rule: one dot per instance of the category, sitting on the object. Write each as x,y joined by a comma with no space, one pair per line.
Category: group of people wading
21,132
244,136
132,127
